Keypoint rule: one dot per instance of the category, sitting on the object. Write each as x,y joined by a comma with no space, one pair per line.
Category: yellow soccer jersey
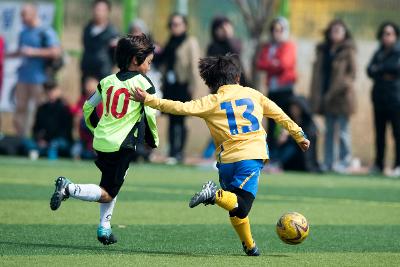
234,116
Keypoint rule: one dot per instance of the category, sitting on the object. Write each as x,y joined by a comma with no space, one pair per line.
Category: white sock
87,192
106,210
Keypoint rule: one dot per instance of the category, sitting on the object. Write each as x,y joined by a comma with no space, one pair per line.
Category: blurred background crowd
332,66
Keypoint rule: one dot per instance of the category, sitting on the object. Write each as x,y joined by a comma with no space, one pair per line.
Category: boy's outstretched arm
273,111
200,107
89,110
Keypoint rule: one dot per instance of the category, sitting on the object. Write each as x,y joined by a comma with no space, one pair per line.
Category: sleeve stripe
146,84
95,99
152,89
147,78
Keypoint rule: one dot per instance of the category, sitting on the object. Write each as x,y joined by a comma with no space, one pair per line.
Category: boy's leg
65,188
238,203
106,210
86,192
242,182
243,178
114,168
104,233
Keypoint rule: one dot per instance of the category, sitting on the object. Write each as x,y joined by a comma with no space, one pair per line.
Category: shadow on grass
112,249
195,240
105,249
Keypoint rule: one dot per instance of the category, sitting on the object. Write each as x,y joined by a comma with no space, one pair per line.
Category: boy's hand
138,95
304,145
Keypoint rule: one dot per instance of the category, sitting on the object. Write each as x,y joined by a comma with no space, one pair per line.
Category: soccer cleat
251,252
105,236
205,196
60,193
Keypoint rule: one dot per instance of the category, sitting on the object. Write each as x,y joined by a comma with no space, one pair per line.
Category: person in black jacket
222,42
288,155
52,130
178,64
99,41
384,70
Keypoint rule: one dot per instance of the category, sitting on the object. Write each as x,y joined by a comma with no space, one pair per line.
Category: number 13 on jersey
247,114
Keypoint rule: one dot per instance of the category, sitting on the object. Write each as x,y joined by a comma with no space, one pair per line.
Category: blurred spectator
2,51
99,41
222,43
278,59
52,131
289,154
83,148
332,91
384,70
37,44
223,40
179,61
138,27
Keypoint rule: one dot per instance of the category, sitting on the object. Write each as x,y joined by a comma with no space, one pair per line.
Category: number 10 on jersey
114,102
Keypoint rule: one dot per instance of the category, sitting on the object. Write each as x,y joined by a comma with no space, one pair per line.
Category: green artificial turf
354,221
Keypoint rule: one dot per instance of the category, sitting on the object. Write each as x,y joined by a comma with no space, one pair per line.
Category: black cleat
105,236
60,193
205,196
251,252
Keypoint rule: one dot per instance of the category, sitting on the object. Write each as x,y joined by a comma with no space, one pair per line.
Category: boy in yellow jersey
233,114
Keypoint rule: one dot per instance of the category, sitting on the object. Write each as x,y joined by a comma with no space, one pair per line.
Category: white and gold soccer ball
292,228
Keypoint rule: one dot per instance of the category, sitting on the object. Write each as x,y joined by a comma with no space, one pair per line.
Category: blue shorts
242,174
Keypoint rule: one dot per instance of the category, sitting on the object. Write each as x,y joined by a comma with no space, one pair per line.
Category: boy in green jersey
116,133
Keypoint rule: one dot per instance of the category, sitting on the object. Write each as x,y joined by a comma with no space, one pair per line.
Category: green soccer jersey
118,126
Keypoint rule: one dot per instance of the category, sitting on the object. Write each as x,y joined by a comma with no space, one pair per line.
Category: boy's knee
245,202
241,212
109,191
105,196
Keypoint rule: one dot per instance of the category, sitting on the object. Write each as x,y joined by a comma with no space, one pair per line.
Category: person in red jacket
278,59
83,149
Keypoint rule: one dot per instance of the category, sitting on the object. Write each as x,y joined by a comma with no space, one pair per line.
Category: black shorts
113,167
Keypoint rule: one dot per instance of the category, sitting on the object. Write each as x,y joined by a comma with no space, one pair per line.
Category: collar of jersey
225,87
126,75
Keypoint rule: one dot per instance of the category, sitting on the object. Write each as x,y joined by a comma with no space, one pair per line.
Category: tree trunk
256,14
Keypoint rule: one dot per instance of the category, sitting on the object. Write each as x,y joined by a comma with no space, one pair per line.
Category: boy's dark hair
382,27
130,46
220,70
107,2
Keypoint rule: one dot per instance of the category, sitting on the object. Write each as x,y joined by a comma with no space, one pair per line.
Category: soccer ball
292,228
